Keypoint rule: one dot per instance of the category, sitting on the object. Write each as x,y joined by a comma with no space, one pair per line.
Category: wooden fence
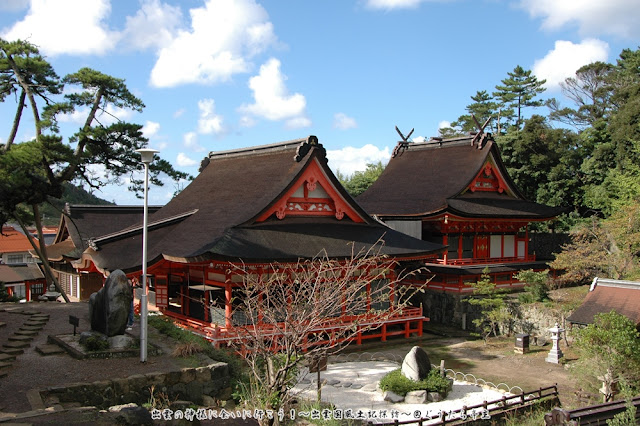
487,411
591,415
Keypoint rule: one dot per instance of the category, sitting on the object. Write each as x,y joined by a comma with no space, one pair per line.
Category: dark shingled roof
606,296
429,178
79,223
214,217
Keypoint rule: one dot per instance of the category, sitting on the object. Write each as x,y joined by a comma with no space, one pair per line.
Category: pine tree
519,90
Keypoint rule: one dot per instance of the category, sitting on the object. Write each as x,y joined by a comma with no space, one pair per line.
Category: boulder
416,364
109,307
121,342
416,397
392,397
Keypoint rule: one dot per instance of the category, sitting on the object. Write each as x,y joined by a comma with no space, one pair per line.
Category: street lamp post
147,157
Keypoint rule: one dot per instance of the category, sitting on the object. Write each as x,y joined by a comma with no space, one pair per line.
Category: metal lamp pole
147,157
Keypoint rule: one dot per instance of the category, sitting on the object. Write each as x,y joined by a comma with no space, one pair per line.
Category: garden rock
392,397
109,307
434,397
416,364
416,397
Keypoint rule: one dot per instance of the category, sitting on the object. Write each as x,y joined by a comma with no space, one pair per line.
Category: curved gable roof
428,178
216,215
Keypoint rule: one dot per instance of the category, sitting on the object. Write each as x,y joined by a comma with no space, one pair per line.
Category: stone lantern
555,353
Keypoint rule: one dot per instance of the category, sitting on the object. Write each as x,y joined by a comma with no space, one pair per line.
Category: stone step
26,332
13,351
3,373
32,327
3,324
39,318
20,338
16,345
30,312
4,357
35,322
4,365
46,350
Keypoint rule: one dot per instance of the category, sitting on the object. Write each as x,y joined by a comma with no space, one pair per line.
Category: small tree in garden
493,311
300,310
609,353
536,285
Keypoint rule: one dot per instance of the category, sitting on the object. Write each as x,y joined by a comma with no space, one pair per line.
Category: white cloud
565,59
297,123
73,27
154,25
343,122
350,159
209,122
592,17
190,140
396,4
110,116
179,113
444,124
272,99
247,121
224,35
183,161
150,129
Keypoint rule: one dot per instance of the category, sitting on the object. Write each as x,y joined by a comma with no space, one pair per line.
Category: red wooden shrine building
252,207
457,192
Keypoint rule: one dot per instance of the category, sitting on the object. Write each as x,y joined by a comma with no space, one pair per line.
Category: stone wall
452,310
197,385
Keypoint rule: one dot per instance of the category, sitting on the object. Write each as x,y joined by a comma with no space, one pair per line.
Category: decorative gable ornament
311,195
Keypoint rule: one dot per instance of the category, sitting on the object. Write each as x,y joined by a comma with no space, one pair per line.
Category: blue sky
223,74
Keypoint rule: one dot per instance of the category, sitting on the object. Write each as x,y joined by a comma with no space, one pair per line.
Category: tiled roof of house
13,241
609,295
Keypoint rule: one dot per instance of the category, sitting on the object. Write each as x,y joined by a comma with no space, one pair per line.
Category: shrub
396,382
96,343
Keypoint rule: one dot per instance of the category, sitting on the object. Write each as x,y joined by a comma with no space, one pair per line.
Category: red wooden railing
483,260
368,326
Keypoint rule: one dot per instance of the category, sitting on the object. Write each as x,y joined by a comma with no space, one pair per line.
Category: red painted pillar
227,305
445,242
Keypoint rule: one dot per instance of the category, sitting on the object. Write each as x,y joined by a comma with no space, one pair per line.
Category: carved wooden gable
312,195
490,179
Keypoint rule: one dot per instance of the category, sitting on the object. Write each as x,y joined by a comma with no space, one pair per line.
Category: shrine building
250,207
457,192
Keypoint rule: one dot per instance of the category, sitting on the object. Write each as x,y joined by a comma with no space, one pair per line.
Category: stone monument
555,353
416,364
109,307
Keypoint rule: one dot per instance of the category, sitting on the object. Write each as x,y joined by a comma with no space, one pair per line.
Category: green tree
360,181
536,285
493,309
603,247
609,352
591,91
483,107
518,91
545,163
33,171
